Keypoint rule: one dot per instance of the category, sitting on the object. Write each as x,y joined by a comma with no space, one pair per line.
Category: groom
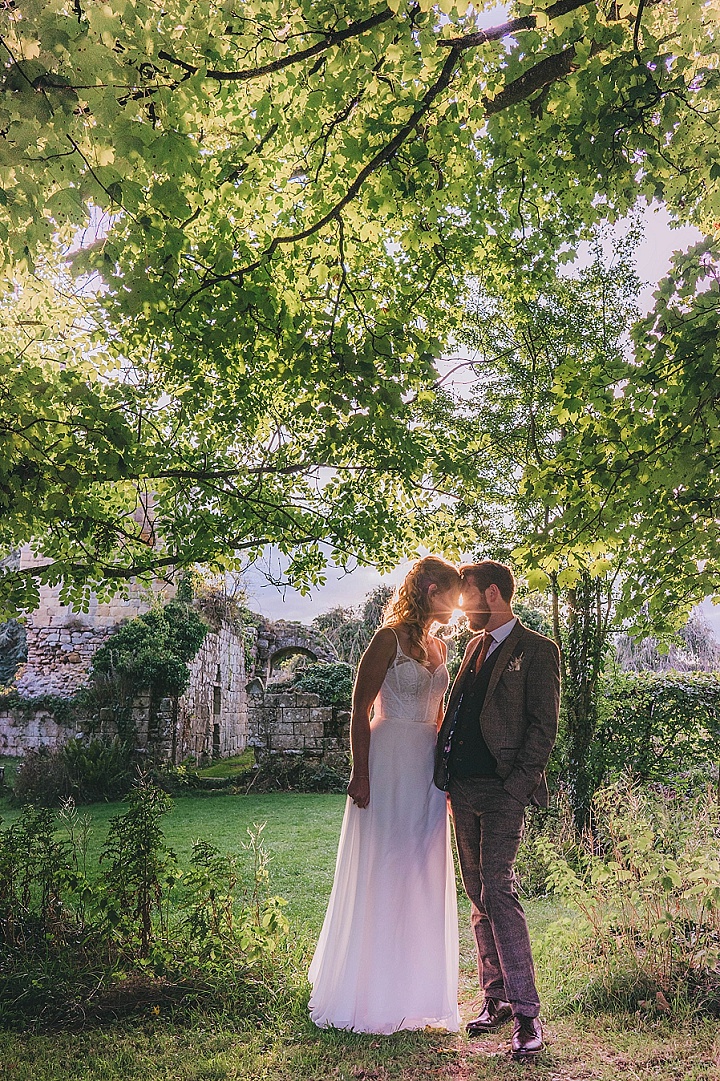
493,746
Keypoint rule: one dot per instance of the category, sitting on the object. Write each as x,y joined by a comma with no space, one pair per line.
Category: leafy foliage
43,779
659,727
648,902
99,769
34,866
283,206
209,911
332,682
634,478
138,866
66,711
296,773
152,650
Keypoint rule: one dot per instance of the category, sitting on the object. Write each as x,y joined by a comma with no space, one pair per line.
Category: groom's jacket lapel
505,651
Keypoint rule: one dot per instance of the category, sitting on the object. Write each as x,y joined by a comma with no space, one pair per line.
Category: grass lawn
301,833
230,767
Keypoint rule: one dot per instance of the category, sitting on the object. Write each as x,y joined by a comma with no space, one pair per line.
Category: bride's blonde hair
410,604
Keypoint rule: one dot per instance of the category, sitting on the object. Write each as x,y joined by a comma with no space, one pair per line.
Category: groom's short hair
489,573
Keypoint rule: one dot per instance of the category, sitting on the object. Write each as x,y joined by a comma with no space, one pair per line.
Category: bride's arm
372,670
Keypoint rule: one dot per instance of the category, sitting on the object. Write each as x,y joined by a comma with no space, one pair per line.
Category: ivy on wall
13,649
153,650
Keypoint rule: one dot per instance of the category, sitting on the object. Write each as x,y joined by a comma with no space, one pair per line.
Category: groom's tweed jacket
519,715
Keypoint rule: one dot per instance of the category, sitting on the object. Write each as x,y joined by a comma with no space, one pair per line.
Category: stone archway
283,654
280,639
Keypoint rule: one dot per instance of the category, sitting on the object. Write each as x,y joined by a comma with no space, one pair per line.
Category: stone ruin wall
211,716
61,642
214,718
211,719
292,723
20,732
279,638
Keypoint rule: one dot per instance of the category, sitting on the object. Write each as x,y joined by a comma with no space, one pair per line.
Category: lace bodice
410,692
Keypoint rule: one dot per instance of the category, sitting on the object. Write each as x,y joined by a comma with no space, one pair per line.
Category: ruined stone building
214,718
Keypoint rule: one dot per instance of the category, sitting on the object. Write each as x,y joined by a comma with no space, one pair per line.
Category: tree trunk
584,649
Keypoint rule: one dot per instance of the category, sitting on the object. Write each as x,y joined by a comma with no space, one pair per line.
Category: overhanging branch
547,71
334,37
513,26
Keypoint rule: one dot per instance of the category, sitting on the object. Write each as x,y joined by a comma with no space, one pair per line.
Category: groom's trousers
488,828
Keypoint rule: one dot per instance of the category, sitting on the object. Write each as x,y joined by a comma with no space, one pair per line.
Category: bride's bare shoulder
384,640
380,654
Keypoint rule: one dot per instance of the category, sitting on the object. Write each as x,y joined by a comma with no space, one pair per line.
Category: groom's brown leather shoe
494,1013
527,1038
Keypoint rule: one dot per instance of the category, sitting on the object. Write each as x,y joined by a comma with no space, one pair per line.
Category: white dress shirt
500,634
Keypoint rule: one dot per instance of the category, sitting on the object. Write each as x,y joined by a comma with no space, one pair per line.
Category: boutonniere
515,663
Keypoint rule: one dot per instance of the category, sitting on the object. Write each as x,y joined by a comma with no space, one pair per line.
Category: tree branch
636,31
334,37
526,22
546,71
383,156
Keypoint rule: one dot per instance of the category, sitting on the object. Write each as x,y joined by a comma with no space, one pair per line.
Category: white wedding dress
387,956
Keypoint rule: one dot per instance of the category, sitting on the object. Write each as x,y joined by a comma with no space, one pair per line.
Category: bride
387,957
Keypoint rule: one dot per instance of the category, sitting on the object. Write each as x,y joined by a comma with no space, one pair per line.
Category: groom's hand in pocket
359,790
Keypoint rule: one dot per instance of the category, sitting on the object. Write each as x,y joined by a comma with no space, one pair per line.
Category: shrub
646,900
69,941
99,769
295,773
43,779
153,650
87,770
333,683
175,780
657,726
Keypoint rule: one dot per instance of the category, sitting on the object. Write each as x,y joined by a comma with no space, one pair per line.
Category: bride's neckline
430,671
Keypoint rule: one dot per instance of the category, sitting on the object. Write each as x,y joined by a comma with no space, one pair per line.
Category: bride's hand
359,790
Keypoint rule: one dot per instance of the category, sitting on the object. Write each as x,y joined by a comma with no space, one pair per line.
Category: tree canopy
637,474
282,201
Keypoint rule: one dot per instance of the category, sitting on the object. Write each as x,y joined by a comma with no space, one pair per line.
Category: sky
349,589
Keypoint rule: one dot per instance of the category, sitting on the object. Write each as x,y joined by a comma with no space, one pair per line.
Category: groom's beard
478,620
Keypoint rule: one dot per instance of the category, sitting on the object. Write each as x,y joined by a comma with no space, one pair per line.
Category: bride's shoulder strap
397,640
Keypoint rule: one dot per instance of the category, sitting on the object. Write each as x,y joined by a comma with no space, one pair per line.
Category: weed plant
644,891
555,825
74,945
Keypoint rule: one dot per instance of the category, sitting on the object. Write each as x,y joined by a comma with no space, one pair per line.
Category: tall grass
644,895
